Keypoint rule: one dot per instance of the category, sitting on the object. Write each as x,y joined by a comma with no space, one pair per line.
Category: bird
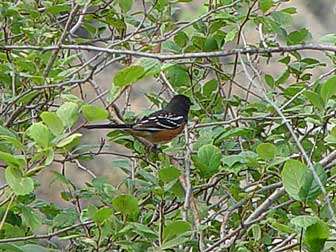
159,127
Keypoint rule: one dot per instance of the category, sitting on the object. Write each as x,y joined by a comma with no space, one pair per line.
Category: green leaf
304,221
30,218
281,227
57,8
128,75
175,228
151,66
209,87
93,112
140,229
68,113
265,5
168,174
181,39
314,99
293,177
19,184
66,218
25,65
12,247
230,36
50,156
9,145
198,41
91,210
282,78
280,17
50,210
316,235
34,248
256,231
269,80
310,189
170,46
234,132
12,160
297,37
70,140
126,204
125,5
231,160
328,89
53,122
329,38
208,160
179,240
143,230
72,98
177,75
210,44
266,151
114,93
40,134
290,10
102,214
61,178
13,141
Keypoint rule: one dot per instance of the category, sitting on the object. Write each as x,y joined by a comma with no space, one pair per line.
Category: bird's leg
155,148
152,149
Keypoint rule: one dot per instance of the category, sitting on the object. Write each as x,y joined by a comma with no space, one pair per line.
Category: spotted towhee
160,126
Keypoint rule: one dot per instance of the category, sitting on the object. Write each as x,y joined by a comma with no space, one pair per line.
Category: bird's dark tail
108,126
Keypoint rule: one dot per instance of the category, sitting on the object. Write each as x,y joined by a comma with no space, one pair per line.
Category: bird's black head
179,104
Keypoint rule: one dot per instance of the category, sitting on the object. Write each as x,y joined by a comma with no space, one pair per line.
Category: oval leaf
13,160
102,214
177,76
53,122
208,160
328,89
175,228
30,217
265,5
68,113
168,174
19,184
72,139
40,134
316,235
126,204
293,177
310,189
304,221
128,75
314,99
266,151
93,112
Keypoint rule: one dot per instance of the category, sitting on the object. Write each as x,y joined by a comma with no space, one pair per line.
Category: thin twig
60,41
45,236
168,57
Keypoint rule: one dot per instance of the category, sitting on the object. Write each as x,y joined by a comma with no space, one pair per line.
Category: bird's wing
160,120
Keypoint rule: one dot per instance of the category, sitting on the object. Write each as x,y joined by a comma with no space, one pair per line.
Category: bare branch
169,57
45,236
